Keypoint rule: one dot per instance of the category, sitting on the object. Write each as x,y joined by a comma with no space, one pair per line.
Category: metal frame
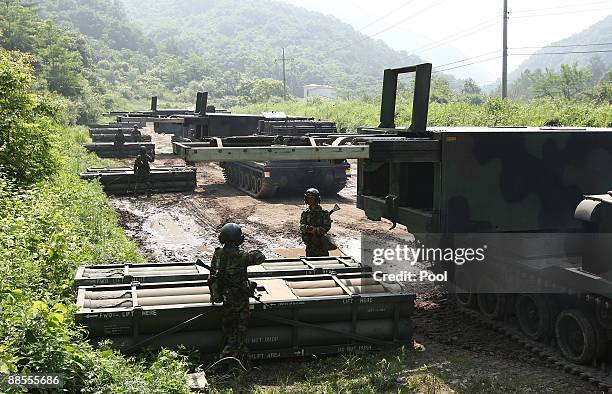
420,103
199,152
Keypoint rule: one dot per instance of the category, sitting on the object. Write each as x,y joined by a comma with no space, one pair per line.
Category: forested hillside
248,35
600,32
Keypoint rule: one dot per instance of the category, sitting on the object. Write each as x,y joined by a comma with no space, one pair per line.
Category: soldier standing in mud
142,170
119,140
229,284
315,222
136,133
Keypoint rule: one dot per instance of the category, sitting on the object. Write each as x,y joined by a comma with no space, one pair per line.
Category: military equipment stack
108,135
302,311
127,150
161,180
260,179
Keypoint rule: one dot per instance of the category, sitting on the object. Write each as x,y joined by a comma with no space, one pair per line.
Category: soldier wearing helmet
119,139
142,170
136,133
141,165
315,222
229,284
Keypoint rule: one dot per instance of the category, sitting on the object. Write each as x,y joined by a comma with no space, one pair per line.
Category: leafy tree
545,84
26,140
573,81
598,68
440,90
16,25
602,92
569,83
471,87
59,61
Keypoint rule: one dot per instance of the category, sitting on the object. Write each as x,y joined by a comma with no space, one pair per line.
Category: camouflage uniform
142,170
119,139
316,244
141,165
231,262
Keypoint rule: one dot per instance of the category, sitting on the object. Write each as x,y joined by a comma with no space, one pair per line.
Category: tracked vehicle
531,193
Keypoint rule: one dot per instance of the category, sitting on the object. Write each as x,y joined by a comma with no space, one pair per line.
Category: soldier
119,139
229,284
136,133
142,170
314,224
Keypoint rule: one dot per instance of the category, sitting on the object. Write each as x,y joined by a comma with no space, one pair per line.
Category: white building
314,90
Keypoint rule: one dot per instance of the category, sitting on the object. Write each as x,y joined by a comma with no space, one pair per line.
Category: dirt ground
184,226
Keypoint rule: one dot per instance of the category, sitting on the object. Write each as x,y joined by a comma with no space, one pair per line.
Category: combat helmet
142,149
231,233
312,192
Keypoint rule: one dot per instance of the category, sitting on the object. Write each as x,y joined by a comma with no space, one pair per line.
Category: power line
559,53
385,29
468,64
558,7
558,13
565,46
386,15
463,33
466,59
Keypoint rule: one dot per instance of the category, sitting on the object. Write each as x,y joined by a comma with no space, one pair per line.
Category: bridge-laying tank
297,316
165,179
515,190
264,178
128,150
180,272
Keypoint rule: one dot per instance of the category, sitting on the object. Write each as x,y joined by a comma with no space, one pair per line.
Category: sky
413,24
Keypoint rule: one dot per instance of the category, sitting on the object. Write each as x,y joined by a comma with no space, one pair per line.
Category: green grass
47,230
494,112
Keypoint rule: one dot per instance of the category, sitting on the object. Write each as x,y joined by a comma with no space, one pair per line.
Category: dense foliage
459,112
51,223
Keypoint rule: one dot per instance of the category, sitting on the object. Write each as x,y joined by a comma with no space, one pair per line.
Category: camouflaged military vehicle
519,190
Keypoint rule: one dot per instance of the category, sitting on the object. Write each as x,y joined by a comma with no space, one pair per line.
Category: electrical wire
369,36
453,37
559,53
557,13
466,59
468,64
559,7
386,15
565,46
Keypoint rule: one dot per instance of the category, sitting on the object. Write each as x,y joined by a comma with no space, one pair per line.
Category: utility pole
284,78
284,60
504,87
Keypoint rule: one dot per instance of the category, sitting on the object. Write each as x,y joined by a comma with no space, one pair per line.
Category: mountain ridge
599,32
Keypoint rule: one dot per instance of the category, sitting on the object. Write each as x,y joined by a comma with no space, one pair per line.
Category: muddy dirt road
184,226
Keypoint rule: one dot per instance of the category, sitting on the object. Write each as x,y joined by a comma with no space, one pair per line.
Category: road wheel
535,315
466,300
576,336
491,305
603,315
